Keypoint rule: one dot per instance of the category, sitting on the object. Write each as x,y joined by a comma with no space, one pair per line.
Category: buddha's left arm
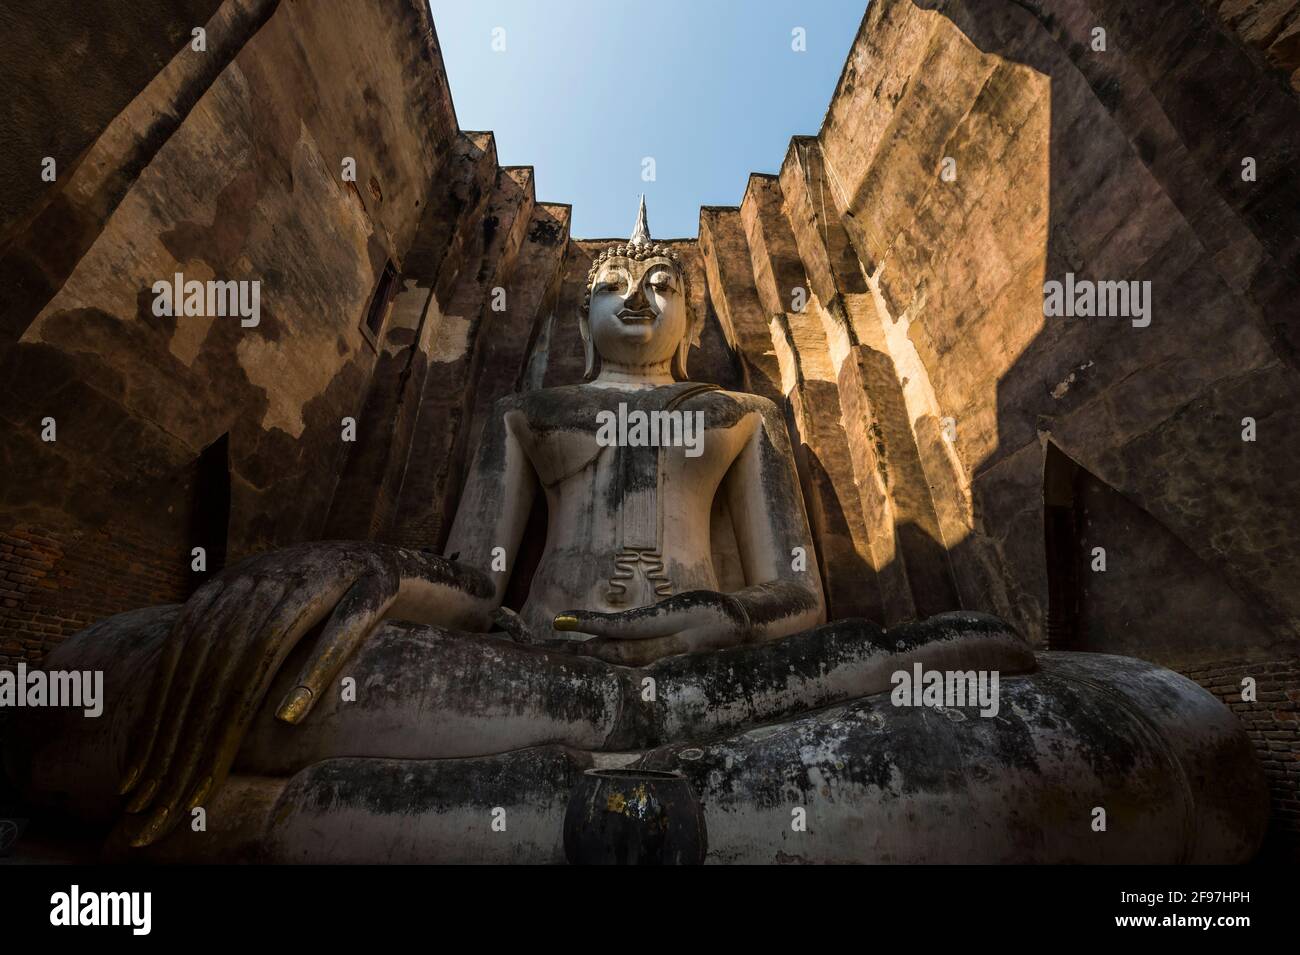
783,592
784,589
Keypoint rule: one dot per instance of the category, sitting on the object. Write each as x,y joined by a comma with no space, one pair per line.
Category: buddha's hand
684,623
232,636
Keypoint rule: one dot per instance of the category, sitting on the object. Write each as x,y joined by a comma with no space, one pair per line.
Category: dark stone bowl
634,817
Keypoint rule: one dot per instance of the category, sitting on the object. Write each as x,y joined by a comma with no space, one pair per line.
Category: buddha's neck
617,375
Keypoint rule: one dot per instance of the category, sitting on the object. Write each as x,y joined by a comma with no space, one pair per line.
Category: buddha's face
638,313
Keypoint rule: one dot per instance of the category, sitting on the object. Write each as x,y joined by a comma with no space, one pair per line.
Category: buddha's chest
635,496
630,483
678,453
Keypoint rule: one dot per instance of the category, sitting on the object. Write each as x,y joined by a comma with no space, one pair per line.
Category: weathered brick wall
55,581
1272,722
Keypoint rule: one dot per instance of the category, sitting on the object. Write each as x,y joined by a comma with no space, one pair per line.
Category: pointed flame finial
641,231
639,248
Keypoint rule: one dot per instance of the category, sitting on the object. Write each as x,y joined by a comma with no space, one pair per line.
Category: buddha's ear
588,346
679,359
683,349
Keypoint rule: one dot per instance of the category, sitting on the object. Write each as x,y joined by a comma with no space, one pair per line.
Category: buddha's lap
415,691
426,692
423,692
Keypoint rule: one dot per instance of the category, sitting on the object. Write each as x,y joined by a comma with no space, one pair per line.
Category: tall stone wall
224,165
957,447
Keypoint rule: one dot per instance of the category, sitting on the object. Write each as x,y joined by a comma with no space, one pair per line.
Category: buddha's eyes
661,282
613,281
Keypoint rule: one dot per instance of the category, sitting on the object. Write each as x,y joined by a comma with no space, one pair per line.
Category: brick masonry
55,582
1272,721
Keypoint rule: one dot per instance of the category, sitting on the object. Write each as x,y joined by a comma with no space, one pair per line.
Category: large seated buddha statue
354,701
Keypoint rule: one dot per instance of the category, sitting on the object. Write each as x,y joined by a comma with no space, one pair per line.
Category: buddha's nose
637,301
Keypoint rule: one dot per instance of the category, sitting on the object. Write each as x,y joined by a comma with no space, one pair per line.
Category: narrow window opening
379,301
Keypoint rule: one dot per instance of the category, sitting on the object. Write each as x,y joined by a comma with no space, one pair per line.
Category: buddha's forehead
636,260
637,267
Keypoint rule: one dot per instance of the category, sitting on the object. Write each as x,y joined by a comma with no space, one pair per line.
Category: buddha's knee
702,696
881,779
425,692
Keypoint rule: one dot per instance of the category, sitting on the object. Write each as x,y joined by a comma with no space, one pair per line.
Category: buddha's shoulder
744,401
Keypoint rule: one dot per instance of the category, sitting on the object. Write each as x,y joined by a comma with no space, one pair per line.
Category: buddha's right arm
498,495
485,535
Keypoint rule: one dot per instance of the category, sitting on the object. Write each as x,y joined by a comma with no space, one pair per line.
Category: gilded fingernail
566,621
295,705
143,795
151,829
200,794
129,780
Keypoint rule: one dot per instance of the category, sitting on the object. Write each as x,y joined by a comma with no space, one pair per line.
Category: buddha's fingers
641,624
194,610
639,653
183,777
261,657
356,615
282,635
208,635
691,611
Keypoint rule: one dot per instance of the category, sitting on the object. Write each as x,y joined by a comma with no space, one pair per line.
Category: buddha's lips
636,316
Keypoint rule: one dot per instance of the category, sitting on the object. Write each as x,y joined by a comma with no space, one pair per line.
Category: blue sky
584,91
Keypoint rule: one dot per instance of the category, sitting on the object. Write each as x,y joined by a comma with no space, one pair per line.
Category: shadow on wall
1091,528
1199,527
1135,476
1136,187
842,569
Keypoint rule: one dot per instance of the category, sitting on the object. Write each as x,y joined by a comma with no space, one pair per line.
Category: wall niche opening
209,525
